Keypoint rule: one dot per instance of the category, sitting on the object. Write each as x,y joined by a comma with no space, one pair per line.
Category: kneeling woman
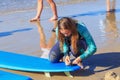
73,38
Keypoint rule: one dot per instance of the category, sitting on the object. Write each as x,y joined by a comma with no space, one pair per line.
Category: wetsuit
85,44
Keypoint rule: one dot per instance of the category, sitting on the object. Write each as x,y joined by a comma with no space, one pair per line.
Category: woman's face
65,32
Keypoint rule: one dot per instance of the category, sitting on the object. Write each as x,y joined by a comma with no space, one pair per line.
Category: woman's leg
108,5
39,11
55,55
82,45
54,9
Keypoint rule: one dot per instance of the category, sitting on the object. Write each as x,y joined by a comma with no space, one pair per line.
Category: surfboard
12,76
17,61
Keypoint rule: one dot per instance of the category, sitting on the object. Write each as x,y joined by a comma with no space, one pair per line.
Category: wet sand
20,36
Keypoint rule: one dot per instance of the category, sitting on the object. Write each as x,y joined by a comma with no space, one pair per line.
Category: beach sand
18,35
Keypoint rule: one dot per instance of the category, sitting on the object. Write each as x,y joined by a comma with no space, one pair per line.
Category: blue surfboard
12,76
22,62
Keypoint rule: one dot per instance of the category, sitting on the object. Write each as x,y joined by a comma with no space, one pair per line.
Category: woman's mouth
66,34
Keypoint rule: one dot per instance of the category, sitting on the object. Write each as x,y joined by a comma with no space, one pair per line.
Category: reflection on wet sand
111,27
44,45
110,31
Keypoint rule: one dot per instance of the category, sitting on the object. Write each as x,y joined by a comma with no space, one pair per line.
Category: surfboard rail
17,61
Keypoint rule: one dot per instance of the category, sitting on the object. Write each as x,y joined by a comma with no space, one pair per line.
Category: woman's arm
91,47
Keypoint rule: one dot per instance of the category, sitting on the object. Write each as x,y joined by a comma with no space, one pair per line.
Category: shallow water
10,6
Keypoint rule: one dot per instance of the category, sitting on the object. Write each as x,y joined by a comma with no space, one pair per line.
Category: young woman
73,38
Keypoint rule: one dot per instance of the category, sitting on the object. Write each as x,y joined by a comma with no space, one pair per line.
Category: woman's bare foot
34,19
53,18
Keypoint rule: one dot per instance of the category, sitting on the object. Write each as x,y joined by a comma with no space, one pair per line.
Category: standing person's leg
108,5
54,9
39,10
113,2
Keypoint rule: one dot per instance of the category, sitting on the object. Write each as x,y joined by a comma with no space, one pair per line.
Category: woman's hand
67,60
78,61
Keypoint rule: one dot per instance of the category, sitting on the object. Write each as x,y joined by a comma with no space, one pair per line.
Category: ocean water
7,6
15,5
